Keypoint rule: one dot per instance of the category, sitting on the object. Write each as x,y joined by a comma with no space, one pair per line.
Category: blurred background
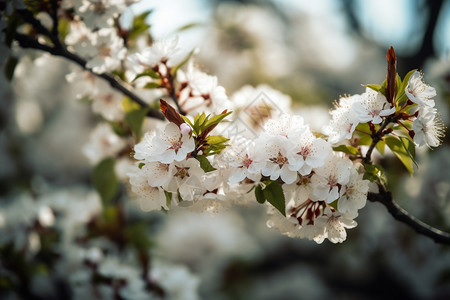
313,51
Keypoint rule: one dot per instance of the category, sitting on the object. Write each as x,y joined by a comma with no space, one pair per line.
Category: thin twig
58,49
385,198
375,139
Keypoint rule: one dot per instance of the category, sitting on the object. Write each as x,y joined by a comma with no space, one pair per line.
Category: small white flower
355,194
165,146
103,142
203,94
81,39
307,152
108,103
419,92
187,180
242,157
428,129
150,198
159,52
109,51
373,107
157,173
344,120
274,154
328,180
290,127
334,224
99,13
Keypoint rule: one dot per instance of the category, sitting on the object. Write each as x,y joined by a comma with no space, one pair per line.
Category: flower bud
185,129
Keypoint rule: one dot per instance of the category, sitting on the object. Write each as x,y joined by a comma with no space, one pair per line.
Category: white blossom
160,51
274,152
428,128
108,53
334,224
103,142
187,180
418,91
150,197
108,102
166,146
99,13
202,94
355,194
344,120
372,107
328,180
242,157
307,152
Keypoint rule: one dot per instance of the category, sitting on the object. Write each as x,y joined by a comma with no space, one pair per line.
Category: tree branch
58,49
385,198
375,139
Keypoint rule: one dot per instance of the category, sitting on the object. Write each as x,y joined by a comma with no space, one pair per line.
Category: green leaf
152,85
216,139
273,193
63,28
380,146
138,236
205,164
148,73
259,194
135,118
186,119
185,60
187,26
347,149
375,87
105,180
374,173
401,97
10,66
139,25
216,119
401,147
129,105
168,198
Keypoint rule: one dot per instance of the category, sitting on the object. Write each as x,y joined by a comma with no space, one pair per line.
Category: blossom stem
385,198
375,139
58,49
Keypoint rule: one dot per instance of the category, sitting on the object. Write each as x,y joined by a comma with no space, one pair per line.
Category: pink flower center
279,160
305,151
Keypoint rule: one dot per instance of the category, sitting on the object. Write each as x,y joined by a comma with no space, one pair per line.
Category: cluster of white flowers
427,127
323,189
372,106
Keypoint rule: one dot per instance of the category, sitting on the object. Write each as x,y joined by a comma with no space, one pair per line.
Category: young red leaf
171,113
391,74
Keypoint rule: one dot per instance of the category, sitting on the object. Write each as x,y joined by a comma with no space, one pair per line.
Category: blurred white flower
103,142
108,52
99,13
160,51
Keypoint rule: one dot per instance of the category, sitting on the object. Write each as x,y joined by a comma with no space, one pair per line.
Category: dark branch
375,139
58,49
385,198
